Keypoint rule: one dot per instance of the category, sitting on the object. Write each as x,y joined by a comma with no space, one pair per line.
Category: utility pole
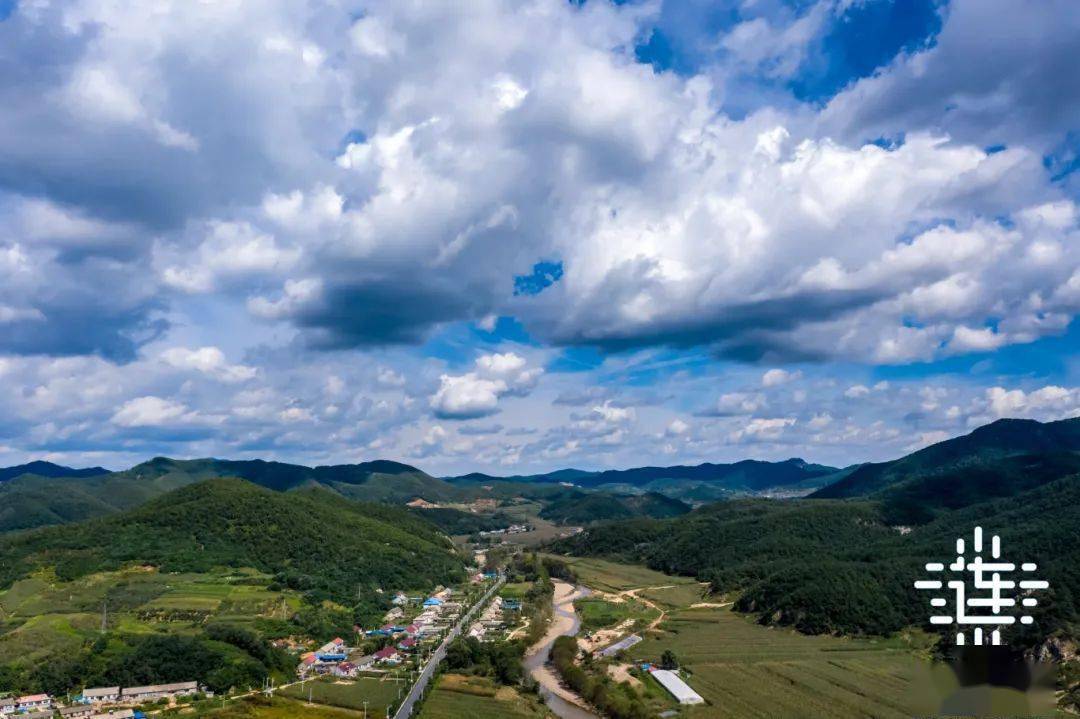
104,615
365,709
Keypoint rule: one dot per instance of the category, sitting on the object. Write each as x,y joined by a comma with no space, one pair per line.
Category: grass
745,670
602,614
514,590
349,694
458,697
613,577
261,708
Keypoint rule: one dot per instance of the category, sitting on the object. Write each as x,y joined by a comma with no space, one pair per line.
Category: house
364,662
78,711
159,691
412,630
389,655
31,702
407,645
37,714
7,706
334,646
345,670
393,614
399,599
101,695
432,602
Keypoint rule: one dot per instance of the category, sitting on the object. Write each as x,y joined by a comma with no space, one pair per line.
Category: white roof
678,688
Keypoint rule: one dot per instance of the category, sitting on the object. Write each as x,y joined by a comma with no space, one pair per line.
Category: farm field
745,670
348,694
613,577
458,697
602,614
261,708
41,615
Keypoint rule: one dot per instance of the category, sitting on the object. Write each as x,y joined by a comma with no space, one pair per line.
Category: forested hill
311,538
36,500
998,460
48,469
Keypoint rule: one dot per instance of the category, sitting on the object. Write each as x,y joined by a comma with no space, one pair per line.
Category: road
407,706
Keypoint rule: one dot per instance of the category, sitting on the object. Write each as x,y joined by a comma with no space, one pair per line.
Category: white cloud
477,393
208,360
776,377
150,412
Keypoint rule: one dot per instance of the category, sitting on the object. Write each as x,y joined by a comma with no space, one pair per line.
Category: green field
456,697
41,615
613,577
745,670
602,614
262,708
350,694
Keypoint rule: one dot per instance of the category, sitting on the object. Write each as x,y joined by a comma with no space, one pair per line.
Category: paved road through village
417,691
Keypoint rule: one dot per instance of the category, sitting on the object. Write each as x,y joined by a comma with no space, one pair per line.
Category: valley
230,574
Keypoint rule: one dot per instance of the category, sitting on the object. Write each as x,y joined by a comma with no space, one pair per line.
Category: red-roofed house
389,655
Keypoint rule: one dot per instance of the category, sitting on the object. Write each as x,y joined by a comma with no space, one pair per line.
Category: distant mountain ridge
41,468
696,483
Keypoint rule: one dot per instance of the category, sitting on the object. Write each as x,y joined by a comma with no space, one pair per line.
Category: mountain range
43,494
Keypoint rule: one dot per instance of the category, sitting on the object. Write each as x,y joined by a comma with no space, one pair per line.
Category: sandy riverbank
564,622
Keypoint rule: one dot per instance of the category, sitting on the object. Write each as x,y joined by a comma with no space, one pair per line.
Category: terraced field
41,615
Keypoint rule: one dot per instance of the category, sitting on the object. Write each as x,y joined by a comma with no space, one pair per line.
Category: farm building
159,691
620,645
678,688
101,695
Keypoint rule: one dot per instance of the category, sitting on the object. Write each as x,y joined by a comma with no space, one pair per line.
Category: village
393,654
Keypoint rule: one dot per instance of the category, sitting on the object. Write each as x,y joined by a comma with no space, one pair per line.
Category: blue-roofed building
432,602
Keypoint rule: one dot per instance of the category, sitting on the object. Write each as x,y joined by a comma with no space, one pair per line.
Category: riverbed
564,622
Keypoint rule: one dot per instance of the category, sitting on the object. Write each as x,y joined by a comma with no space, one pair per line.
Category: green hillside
578,508
984,446
29,500
311,537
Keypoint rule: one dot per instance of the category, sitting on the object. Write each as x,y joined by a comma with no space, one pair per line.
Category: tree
668,660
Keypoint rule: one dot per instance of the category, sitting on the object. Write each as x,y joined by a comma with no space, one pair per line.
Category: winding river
563,702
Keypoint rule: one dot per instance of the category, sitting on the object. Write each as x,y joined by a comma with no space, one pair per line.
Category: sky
518,236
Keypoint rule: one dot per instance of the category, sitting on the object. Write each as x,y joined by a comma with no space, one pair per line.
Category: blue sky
517,236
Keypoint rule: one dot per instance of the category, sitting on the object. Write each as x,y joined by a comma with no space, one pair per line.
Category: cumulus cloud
208,360
150,412
477,393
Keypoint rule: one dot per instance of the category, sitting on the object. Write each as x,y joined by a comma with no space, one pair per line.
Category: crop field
613,577
350,694
456,697
41,615
602,614
745,670
276,708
